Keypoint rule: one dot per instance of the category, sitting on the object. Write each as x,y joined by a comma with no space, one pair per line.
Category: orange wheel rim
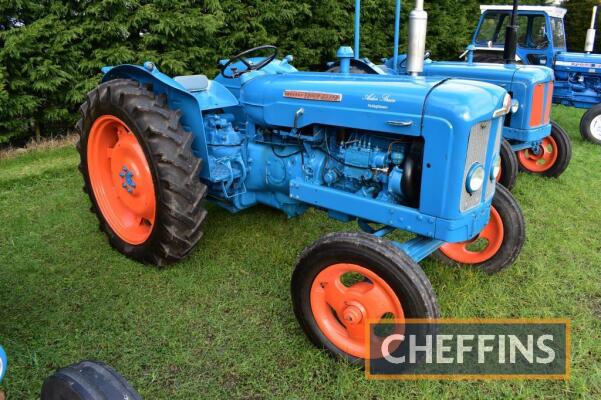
544,160
121,179
492,234
343,311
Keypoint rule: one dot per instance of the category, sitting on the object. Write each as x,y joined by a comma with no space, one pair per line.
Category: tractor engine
578,79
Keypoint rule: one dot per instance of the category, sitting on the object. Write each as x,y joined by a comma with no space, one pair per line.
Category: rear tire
87,380
170,173
590,125
509,166
505,235
558,142
381,265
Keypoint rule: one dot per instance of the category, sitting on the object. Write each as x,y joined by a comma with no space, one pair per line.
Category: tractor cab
541,34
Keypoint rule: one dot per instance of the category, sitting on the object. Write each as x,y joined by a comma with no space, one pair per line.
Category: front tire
554,156
500,242
590,125
140,173
509,166
345,279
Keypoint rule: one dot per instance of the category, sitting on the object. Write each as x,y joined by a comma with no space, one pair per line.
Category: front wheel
590,125
498,244
344,280
552,157
509,166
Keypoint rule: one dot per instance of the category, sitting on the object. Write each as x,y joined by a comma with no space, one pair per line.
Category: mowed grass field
220,324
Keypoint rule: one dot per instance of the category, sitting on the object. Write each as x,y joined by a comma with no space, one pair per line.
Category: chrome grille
476,152
490,185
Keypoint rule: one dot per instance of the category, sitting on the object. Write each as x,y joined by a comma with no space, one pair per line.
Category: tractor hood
520,80
578,62
369,102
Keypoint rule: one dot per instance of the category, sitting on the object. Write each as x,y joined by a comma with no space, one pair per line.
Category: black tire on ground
585,125
404,276
87,380
564,151
509,166
513,239
175,169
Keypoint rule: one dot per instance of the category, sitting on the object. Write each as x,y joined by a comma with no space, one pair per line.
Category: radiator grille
490,185
476,152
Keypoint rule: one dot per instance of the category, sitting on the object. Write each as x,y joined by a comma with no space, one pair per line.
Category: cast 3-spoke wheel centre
121,179
345,298
540,159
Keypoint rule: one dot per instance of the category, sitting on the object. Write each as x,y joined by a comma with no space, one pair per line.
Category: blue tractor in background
417,154
86,380
532,142
542,41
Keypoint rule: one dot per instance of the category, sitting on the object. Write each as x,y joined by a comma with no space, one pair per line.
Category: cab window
493,29
559,33
533,32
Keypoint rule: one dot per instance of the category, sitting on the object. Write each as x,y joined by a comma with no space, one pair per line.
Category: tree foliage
51,51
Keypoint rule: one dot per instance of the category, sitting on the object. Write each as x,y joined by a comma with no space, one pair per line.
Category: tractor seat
193,83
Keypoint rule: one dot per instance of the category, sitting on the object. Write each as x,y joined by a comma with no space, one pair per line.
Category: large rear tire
590,125
87,380
500,242
345,279
140,172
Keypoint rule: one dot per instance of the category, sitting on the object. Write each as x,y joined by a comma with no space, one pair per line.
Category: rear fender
178,98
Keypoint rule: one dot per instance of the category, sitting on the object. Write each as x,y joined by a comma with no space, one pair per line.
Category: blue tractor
417,154
542,41
86,380
532,142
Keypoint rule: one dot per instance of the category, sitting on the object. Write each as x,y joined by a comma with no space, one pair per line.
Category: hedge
51,51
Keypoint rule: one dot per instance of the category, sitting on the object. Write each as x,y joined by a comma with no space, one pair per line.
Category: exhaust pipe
591,34
511,37
418,26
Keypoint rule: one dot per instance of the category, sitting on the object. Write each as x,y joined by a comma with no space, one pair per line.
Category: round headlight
475,178
515,106
496,168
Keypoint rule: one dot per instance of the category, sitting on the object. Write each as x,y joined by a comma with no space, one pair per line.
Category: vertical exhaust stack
418,26
511,37
591,34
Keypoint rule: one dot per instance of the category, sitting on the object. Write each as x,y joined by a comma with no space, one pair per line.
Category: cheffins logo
469,349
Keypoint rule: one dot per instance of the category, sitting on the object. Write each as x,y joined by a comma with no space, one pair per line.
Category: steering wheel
243,56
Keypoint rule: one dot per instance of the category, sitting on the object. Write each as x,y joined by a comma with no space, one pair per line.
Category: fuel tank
370,102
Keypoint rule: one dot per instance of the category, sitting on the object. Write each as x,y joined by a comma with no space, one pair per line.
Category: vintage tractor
531,141
87,380
542,41
412,153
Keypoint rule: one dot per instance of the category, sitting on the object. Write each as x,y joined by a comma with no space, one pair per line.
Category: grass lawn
220,324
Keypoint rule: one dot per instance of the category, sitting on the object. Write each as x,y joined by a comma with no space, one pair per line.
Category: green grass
220,324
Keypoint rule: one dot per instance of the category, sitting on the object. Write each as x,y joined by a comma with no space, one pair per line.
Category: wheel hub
127,178
353,313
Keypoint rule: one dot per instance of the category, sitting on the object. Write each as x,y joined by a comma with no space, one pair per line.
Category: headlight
496,168
475,178
515,106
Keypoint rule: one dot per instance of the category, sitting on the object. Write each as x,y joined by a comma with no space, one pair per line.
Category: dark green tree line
51,51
